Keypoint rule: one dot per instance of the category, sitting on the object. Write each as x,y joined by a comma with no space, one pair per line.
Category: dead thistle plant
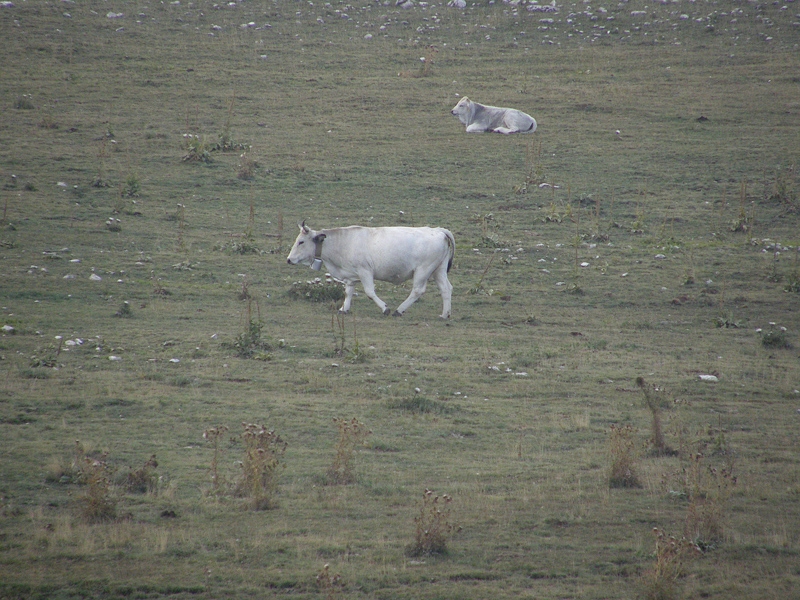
263,454
143,479
214,435
710,491
352,433
660,582
653,403
432,526
98,503
329,583
622,448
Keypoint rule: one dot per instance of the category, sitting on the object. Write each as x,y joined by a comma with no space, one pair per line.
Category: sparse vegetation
620,175
249,344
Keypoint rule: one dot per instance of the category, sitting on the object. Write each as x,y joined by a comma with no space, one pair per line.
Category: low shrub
317,290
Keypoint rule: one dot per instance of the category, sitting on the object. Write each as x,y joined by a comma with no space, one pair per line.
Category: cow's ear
319,238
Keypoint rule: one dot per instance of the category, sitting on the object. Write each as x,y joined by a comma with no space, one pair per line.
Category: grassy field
623,357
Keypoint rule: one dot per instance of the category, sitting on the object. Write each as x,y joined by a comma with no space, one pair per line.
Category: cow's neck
318,248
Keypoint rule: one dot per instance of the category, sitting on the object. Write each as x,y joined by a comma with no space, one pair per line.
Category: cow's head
463,110
305,246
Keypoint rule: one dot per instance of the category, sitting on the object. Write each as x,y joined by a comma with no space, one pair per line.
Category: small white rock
711,378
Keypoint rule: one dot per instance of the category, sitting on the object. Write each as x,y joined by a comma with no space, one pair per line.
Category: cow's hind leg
369,289
419,287
445,289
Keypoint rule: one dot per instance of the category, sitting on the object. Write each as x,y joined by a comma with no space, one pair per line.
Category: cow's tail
451,242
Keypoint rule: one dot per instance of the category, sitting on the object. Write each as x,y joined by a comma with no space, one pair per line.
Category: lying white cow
393,254
479,118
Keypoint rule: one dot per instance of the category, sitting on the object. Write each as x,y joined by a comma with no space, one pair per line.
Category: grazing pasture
613,409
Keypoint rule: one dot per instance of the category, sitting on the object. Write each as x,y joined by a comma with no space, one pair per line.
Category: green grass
517,392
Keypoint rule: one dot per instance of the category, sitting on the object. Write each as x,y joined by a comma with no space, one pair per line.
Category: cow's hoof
397,314
386,311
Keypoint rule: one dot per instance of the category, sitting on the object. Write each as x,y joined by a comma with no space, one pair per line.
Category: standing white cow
479,118
393,254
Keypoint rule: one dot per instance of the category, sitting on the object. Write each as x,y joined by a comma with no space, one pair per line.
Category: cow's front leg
369,289
475,128
349,289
